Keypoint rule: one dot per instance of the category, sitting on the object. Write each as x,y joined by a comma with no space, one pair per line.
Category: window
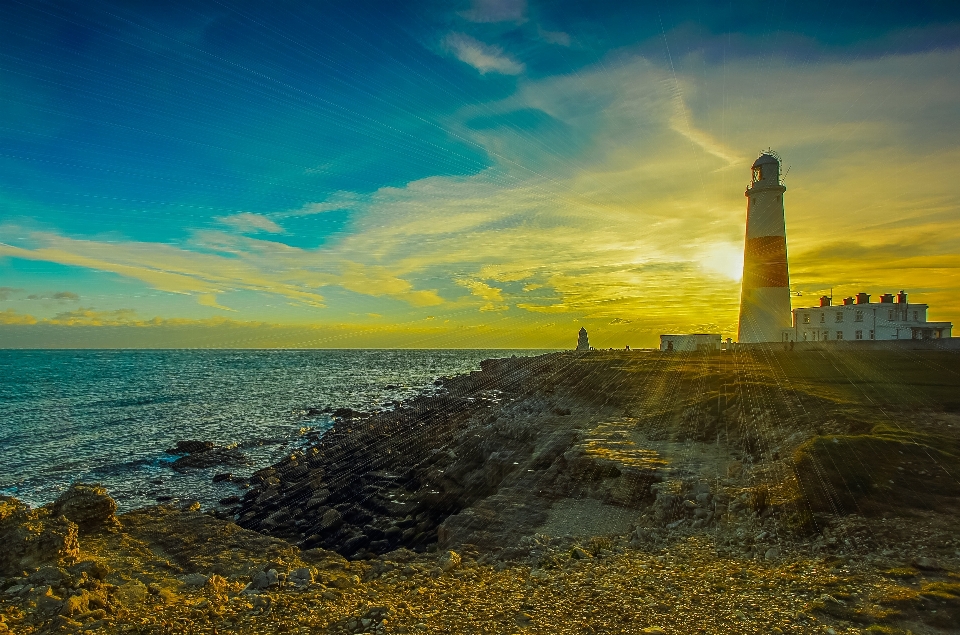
839,316
890,317
823,318
806,318
826,335
859,317
916,316
804,336
858,335
839,335
871,334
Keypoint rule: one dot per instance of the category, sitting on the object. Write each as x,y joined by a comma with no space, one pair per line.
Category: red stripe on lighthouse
765,262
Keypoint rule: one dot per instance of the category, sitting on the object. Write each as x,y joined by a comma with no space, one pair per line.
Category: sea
107,416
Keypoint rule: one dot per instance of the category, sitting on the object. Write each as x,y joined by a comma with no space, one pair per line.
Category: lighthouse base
764,314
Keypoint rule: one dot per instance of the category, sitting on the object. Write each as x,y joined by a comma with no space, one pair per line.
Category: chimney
847,301
863,298
824,300
886,298
902,297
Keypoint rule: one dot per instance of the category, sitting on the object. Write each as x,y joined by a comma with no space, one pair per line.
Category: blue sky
478,173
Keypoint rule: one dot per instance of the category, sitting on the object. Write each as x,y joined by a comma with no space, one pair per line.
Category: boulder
319,498
667,507
93,568
47,602
330,520
356,543
263,580
131,593
631,488
49,576
210,458
191,447
76,604
579,553
194,580
33,538
89,506
379,546
927,564
301,578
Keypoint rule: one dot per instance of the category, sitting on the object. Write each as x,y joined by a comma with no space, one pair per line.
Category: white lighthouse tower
765,291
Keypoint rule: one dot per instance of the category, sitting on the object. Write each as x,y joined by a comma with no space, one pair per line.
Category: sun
725,259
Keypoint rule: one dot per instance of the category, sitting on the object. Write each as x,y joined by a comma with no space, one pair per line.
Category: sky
476,174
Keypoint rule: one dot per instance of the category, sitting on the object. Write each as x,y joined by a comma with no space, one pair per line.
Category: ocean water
108,416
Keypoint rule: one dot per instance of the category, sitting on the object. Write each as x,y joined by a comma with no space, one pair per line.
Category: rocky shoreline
599,478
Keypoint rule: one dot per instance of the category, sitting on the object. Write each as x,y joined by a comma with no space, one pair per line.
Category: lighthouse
765,292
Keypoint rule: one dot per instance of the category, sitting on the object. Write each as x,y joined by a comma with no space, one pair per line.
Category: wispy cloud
250,223
6,292
165,267
496,11
492,296
91,317
483,57
554,37
64,296
380,281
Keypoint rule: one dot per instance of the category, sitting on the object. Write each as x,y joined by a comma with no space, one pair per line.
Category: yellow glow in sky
620,208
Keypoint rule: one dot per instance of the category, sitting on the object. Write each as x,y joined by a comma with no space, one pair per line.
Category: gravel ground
600,586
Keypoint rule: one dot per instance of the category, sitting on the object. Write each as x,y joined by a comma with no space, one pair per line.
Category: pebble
450,560
194,579
927,564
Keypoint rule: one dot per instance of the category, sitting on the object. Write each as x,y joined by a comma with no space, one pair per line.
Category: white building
690,342
892,318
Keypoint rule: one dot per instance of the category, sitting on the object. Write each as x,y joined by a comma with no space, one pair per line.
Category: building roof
764,159
873,305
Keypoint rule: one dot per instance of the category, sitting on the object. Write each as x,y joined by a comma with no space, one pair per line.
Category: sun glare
725,259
